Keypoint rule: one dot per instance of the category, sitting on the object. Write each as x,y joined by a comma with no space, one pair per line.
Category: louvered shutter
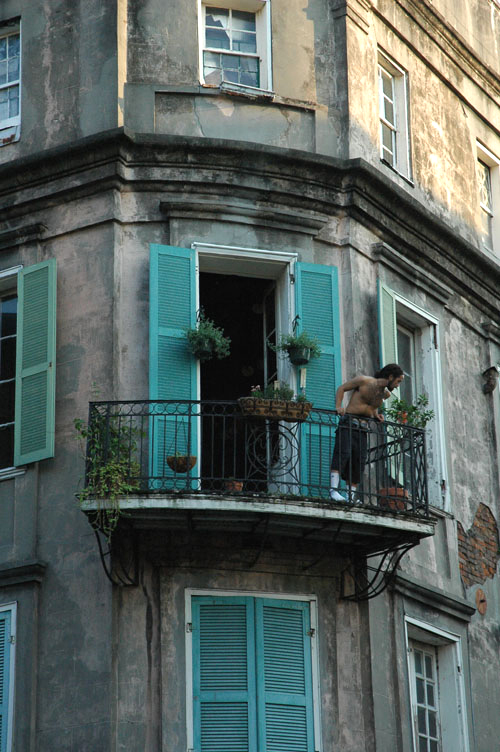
224,700
35,364
172,367
388,335
4,677
317,304
284,685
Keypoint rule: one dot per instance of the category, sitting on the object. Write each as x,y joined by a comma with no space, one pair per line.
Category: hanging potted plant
181,463
207,340
277,403
300,348
405,413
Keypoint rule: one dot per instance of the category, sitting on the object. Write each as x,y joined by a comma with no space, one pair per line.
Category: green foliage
110,449
207,340
416,414
303,340
281,392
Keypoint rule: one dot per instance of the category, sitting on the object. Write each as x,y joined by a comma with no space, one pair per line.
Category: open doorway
245,307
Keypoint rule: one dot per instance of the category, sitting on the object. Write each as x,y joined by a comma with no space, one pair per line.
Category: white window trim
493,162
440,637
262,9
401,113
12,607
313,610
10,127
431,376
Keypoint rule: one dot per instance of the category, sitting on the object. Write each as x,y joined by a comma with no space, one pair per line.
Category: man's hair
391,369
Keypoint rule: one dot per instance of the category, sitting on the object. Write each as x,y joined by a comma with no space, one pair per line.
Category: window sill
11,472
401,174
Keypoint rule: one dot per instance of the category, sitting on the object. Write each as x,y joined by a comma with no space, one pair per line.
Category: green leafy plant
281,392
207,340
300,341
411,414
112,471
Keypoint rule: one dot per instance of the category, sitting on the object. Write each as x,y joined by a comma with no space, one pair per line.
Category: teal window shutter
35,364
5,617
224,696
317,305
284,670
172,367
388,335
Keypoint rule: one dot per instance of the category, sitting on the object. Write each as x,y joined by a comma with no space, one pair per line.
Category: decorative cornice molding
387,255
22,573
19,235
432,596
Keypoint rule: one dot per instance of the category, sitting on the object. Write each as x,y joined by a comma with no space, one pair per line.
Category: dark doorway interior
245,308
237,305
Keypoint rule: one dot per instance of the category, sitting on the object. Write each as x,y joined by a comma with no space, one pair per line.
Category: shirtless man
349,454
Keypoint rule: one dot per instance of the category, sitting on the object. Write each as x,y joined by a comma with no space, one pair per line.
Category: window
7,656
437,692
10,83
252,674
27,364
488,176
235,39
408,335
393,107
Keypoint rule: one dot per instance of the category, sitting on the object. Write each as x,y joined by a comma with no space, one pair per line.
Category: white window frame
10,127
428,380
262,10
12,607
401,125
313,610
487,157
452,702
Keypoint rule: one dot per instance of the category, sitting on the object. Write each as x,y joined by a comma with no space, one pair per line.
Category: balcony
205,465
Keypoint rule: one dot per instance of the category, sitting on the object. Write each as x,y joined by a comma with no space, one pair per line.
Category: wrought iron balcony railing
211,447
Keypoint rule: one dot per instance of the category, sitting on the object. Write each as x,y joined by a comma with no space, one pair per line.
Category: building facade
330,167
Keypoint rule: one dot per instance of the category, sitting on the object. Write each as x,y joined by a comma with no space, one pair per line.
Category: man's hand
379,417
340,410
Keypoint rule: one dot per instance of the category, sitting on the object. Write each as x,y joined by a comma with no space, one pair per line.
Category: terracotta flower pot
393,498
234,486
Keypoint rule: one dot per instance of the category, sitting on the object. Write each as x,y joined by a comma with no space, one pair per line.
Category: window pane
485,185
422,725
4,105
387,138
217,17
3,48
6,446
387,85
230,75
249,79
250,64
8,310
243,21
430,695
432,724
13,73
420,691
7,402
428,667
7,358
13,45
244,42
389,111
3,72
422,744
418,661
218,38
13,101
433,746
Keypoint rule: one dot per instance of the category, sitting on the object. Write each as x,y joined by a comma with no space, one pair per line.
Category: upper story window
235,44
8,333
488,176
393,109
10,83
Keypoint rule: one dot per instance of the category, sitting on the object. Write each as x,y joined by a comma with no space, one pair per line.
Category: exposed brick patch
478,548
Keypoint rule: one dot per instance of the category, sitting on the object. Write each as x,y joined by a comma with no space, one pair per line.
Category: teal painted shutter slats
35,364
388,336
172,368
284,671
4,677
317,304
224,707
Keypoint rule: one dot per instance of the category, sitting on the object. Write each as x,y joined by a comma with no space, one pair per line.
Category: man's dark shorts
351,444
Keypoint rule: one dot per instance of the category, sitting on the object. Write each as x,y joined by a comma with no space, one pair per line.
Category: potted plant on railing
415,414
276,402
207,340
300,348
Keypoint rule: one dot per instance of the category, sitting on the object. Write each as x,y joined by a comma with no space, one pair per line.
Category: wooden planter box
289,410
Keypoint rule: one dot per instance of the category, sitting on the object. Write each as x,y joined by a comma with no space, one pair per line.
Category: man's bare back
368,395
